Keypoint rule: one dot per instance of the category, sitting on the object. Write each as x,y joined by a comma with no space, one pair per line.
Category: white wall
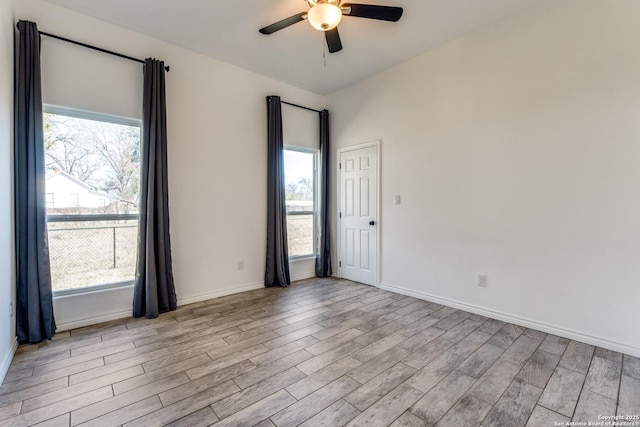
7,269
516,150
217,159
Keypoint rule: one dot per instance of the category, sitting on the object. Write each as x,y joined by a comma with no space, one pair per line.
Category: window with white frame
300,175
93,175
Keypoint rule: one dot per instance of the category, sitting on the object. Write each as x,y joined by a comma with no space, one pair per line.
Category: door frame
377,145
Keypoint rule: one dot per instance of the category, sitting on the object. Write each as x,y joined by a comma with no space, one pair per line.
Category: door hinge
340,215
339,263
339,165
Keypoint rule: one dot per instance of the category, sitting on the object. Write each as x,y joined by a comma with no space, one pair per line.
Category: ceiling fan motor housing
325,15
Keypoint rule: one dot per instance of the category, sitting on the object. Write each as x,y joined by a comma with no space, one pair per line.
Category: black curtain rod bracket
300,106
99,49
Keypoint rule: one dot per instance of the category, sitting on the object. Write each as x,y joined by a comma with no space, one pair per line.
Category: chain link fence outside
92,252
88,253
300,234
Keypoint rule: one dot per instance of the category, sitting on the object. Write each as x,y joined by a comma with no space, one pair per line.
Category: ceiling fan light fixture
325,16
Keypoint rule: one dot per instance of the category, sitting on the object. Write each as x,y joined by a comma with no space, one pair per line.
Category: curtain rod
300,106
99,49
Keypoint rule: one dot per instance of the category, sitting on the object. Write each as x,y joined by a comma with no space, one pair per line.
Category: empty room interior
398,213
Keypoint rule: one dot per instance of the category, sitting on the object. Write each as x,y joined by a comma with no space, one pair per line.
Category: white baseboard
517,320
4,367
222,293
92,320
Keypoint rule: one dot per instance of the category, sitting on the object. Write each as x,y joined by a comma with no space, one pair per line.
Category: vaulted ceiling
228,31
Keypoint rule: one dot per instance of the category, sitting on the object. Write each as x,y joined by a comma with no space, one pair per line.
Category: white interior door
358,215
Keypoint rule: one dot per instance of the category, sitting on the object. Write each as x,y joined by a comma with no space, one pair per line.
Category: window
93,174
74,200
300,190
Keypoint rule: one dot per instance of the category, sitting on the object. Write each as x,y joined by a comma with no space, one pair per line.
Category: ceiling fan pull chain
324,54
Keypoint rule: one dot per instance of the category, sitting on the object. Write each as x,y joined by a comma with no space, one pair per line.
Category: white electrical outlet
240,265
482,280
398,199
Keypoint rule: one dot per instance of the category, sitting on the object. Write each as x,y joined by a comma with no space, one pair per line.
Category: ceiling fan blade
383,13
270,29
333,40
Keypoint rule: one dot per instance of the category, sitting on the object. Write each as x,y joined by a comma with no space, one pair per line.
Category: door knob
372,222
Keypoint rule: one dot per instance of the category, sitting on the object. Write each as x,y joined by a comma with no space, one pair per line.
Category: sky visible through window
103,156
298,167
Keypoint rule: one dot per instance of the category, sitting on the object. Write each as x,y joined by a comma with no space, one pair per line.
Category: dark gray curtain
34,305
277,264
323,259
154,290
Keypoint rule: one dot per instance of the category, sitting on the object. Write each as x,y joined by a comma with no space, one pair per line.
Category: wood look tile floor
323,352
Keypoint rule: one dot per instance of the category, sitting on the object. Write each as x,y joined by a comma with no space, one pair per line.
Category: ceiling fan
325,15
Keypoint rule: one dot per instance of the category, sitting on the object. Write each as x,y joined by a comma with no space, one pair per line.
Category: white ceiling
228,31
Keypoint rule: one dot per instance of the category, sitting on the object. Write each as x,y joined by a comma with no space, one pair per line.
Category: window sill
302,257
91,289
